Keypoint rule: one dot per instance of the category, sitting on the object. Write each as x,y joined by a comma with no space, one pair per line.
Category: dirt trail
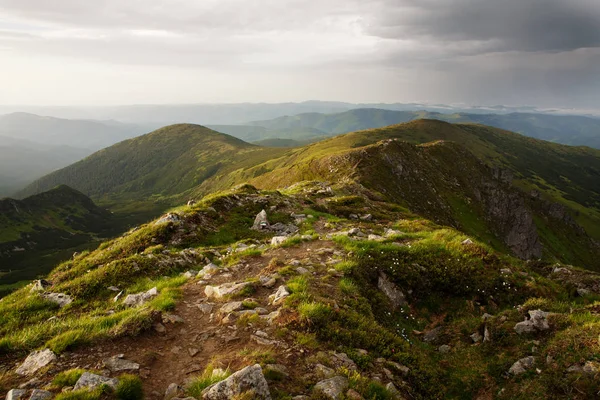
186,348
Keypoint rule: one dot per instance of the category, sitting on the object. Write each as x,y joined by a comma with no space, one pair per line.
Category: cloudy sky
515,52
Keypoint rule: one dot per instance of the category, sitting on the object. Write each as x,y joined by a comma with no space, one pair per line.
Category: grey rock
190,274
324,372
205,308
393,391
277,240
40,285
279,296
226,289
476,337
375,238
403,369
444,348
392,292
37,394
522,365
590,368
16,394
432,335
248,379
537,322
366,217
137,299
168,218
261,222
302,271
59,298
171,391
208,270
231,307
332,388
487,336
118,364
582,292
160,328
345,361
168,318
92,381
466,242
36,361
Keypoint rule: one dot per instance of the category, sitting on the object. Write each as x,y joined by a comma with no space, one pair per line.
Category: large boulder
332,388
392,292
36,361
248,379
140,298
92,381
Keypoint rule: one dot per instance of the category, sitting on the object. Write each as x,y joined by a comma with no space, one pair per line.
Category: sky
543,53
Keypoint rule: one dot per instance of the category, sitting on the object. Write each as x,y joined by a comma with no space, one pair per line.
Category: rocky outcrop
249,379
59,298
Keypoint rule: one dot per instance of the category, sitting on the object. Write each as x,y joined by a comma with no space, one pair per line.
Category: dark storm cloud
503,25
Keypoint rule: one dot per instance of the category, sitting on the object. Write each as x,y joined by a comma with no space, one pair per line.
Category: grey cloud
503,25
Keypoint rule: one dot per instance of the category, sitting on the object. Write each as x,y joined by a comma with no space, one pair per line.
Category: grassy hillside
393,307
34,231
168,161
561,174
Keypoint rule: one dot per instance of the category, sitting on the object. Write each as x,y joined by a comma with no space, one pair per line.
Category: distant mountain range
571,130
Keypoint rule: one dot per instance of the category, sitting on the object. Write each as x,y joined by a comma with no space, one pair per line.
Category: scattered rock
92,381
352,394
40,285
476,337
444,348
466,242
375,238
37,394
590,368
279,296
345,361
208,270
332,388
261,222
171,391
522,365
192,351
190,274
227,289
324,372
231,307
506,271
16,394
117,364
248,379
159,328
366,217
432,335
168,218
59,298
581,292
277,240
487,336
392,292
537,322
205,308
403,369
168,318
36,361
140,298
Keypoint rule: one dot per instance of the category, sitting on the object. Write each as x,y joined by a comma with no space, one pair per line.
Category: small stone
522,365
278,240
158,327
476,337
140,298
466,242
117,364
192,351
352,394
324,372
172,319
205,308
231,307
444,349
59,298
581,292
279,296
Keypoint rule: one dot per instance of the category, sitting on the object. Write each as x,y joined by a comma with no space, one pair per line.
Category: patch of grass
314,312
83,394
249,305
262,357
348,287
67,378
298,284
129,388
208,377
307,340
346,266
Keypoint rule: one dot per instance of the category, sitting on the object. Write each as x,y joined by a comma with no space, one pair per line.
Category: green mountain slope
388,307
36,228
564,129
566,179
166,162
